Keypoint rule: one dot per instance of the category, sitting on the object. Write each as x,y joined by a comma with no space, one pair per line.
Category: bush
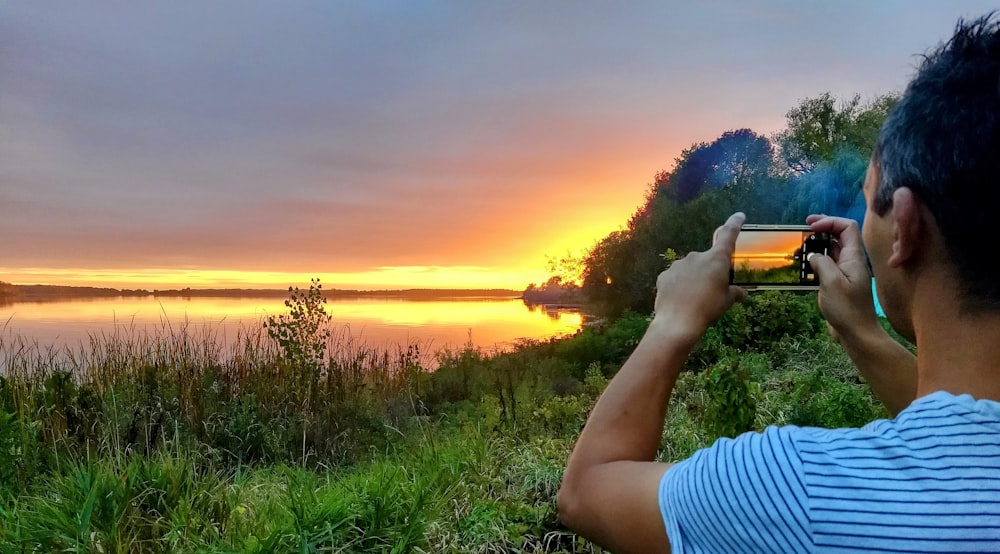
20,457
458,377
731,408
303,333
760,324
594,381
562,415
608,347
820,400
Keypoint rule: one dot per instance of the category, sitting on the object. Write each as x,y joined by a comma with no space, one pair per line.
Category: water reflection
435,324
553,312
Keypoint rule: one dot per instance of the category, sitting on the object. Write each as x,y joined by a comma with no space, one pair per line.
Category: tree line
816,164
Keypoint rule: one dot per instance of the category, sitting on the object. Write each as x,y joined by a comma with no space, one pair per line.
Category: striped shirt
926,481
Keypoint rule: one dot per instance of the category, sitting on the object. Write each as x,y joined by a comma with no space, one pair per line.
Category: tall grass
450,498
180,440
131,390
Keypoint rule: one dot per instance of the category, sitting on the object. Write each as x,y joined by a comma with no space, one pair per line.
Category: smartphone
775,257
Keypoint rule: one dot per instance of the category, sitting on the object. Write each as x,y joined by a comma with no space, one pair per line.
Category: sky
389,144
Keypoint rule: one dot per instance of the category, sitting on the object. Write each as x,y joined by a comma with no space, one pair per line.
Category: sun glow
526,262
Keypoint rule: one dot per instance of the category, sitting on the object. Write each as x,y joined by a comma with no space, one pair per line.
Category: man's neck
956,352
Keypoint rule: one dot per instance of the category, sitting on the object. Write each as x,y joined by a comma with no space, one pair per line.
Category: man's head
942,142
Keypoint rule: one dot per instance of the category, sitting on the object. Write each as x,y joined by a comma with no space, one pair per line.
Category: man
926,481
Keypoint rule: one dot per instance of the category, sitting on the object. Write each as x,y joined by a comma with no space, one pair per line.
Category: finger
725,236
737,293
810,219
824,267
846,234
833,332
845,230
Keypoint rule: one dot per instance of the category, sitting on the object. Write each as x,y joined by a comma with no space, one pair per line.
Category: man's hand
695,291
845,299
845,282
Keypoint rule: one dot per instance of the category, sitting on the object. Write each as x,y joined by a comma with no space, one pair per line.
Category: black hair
942,141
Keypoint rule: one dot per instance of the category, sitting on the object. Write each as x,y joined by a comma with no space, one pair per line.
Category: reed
130,389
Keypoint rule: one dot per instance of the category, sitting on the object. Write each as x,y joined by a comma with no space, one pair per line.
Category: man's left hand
695,291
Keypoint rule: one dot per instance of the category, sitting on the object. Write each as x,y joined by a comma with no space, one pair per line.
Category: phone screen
776,258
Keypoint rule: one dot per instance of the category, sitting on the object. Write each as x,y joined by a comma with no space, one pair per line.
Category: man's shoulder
932,417
937,433
932,431
938,460
907,480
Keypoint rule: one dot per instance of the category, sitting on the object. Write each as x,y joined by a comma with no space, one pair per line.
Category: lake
434,324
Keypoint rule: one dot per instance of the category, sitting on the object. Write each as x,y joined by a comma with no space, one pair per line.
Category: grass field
172,443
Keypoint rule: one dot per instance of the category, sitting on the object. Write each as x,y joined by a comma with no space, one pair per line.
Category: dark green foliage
731,408
607,279
303,332
819,127
459,376
608,347
243,432
738,161
20,457
760,324
772,315
822,400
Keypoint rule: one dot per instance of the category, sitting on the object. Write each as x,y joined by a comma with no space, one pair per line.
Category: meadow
301,439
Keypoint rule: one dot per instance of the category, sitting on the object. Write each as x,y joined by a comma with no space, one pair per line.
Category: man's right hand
845,282
845,299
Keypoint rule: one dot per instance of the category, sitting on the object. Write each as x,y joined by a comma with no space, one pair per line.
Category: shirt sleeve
739,495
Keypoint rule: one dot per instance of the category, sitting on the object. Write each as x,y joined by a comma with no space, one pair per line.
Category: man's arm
845,298
609,490
889,368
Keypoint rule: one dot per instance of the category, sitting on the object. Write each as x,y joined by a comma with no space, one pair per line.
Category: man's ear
908,227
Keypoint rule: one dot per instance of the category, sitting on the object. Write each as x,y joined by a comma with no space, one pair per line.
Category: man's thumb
737,294
823,266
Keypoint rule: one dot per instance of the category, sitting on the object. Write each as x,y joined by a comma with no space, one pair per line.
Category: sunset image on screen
768,256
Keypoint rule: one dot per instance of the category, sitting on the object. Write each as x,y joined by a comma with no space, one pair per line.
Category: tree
827,146
737,160
7,289
818,128
568,269
693,171
832,187
605,276
302,334
681,210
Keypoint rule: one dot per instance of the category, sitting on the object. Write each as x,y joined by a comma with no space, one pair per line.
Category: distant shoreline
12,293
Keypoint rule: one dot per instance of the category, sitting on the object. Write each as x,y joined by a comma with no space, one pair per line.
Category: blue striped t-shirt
926,481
